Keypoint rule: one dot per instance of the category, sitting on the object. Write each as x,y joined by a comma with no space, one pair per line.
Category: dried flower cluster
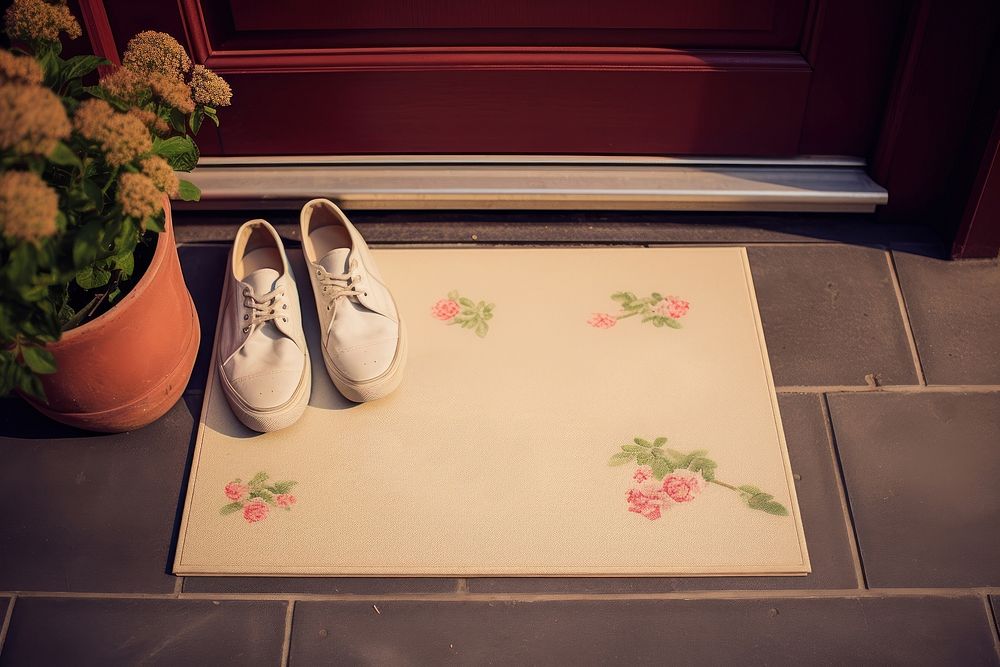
125,84
19,69
175,93
210,88
32,119
28,206
122,137
156,52
36,20
162,175
139,196
150,120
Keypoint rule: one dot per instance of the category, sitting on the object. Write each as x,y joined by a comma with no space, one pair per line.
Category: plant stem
622,317
728,486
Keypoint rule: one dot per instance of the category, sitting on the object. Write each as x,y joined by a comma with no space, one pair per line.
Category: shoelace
337,285
263,309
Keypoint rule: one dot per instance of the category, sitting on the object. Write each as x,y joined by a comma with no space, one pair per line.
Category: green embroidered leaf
642,443
773,507
656,296
657,321
453,294
258,479
647,318
620,296
659,442
633,448
466,302
481,329
671,322
490,306
469,324
657,452
487,315
230,508
661,467
263,494
749,489
281,487
621,458
643,458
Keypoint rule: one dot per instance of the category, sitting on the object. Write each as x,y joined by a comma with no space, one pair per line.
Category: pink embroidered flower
647,500
255,510
672,307
683,486
602,321
284,500
236,491
445,309
642,474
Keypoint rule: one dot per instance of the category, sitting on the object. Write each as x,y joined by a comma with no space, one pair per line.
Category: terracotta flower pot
127,368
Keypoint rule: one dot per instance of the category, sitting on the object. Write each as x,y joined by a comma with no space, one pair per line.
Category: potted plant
97,328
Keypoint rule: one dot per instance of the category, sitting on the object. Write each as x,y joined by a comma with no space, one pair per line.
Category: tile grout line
905,314
693,595
890,389
462,585
991,617
852,530
179,586
286,644
8,615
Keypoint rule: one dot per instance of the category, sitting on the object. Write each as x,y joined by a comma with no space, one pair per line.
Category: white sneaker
261,351
364,342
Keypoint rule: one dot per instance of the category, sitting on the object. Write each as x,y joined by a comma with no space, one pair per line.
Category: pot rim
163,243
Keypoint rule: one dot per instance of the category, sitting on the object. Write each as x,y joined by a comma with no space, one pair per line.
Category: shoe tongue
335,261
261,281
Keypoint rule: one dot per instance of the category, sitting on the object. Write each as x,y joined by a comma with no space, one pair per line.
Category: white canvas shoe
364,342
261,352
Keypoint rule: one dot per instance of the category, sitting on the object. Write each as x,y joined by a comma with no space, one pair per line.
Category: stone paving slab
921,472
817,485
831,631
80,632
89,512
954,310
831,316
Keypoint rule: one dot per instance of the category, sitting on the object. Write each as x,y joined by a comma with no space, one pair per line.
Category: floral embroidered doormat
585,412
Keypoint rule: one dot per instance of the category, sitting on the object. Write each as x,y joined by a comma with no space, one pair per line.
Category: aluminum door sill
539,182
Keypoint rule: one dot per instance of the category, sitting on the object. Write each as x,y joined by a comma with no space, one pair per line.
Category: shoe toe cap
366,362
270,388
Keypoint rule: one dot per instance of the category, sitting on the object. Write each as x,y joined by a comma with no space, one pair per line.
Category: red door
695,77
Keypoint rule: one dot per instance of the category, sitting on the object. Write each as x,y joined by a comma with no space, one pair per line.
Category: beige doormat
565,412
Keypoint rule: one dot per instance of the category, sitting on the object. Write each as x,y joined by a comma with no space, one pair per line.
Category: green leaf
643,458
621,458
263,494
29,384
63,155
282,487
453,294
258,479
661,467
466,302
671,322
180,152
773,507
659,442
178,121
657,321
642,443
482,329
213,114
633,448
749,489
39,359
93,277
94,194
79,66
85,243
230,508
125,263
656,296
155,222
189,191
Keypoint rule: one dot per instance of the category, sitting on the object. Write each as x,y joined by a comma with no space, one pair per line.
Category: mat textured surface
565,412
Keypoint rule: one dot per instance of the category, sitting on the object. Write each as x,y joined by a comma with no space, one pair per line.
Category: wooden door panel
690,77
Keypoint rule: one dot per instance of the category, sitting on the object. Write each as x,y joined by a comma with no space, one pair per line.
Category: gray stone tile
89,512
954,308
77,631
823,516
921,472
204,268
320,585
831,316
872,631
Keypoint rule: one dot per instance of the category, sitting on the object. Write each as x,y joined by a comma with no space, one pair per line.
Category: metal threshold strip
822,184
